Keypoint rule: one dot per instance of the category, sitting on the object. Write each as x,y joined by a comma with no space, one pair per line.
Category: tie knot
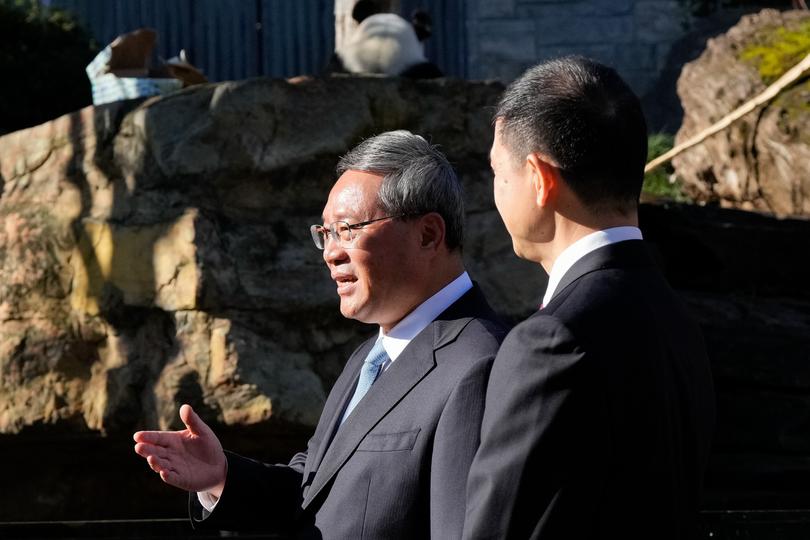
377,355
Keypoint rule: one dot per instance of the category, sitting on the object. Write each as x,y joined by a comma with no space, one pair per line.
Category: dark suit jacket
397,467
599,412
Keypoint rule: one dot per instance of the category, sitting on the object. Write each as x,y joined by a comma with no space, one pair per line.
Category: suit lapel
338,398
413,365
626,253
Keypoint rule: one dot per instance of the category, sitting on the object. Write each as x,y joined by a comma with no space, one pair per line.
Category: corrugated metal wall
235,39
447,47
227,39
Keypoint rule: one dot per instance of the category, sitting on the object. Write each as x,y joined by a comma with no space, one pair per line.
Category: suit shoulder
539,331
474,347
620,300
539,321
485,329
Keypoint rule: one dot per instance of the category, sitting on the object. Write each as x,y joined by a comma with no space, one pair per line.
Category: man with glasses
391,452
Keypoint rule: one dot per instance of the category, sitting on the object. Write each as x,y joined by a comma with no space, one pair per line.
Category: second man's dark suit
599,412
397,467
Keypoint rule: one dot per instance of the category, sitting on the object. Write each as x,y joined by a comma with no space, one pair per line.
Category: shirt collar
582,247
417,320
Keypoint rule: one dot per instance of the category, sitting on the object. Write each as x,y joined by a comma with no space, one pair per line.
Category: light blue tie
368,373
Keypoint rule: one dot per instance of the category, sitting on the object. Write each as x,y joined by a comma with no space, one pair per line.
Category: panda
385,44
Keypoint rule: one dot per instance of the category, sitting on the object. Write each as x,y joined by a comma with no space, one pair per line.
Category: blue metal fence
447,47
235,39
230,39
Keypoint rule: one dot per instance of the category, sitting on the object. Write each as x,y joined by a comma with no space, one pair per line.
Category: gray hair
417,179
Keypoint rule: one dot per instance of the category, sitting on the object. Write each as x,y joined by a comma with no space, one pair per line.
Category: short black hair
584,117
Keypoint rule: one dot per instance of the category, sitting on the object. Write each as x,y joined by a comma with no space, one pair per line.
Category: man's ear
431,230
545,178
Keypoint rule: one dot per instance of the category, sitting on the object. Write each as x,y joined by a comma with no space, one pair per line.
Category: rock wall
158,253
762,161
634,36
165,253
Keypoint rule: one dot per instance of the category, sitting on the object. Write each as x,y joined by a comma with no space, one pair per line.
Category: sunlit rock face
160,253
762,161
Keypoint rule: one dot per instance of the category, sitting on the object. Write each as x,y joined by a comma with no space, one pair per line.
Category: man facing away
391,452
600,406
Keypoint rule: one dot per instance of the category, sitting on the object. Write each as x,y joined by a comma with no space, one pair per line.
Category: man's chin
517,248
346,312
350,311
359,316
524,251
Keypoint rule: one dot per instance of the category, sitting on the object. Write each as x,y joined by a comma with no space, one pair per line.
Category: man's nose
333,252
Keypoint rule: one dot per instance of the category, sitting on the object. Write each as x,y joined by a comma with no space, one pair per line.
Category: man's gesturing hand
191,459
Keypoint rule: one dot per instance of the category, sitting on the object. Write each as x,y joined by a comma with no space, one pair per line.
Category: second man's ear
545,177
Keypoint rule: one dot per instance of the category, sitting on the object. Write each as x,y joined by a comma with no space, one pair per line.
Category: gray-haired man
390,455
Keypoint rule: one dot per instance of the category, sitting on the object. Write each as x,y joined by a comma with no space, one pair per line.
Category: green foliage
657,183
778,50
43,53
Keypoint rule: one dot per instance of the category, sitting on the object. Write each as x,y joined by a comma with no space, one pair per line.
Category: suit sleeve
531,402
257,497
456,439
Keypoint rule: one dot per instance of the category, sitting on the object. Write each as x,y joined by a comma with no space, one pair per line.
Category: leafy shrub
657,182
43,53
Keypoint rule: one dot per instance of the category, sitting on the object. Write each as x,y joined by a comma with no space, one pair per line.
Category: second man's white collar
582,247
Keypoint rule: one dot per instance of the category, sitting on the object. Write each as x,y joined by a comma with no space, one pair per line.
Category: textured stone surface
585,29
163,255
763,160
506,37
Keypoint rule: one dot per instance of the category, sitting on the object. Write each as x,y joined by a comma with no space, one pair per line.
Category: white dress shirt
582,247
395,341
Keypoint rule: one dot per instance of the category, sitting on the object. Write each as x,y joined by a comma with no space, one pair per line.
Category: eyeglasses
341,231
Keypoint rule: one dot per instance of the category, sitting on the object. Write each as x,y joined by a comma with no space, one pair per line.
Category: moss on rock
777,49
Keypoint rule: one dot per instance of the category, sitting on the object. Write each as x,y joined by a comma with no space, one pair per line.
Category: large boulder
762,161
163,255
